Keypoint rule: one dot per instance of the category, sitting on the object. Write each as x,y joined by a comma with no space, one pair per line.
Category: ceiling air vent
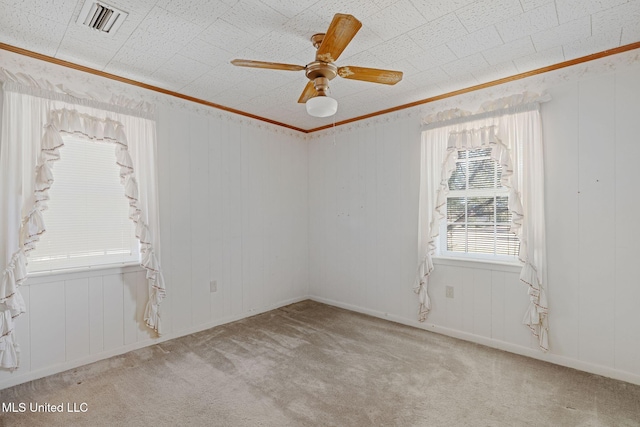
101,17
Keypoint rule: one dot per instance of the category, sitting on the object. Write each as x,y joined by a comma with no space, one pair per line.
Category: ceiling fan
328,46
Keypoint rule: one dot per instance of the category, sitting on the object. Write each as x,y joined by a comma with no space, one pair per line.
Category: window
470,215
477,211
87,221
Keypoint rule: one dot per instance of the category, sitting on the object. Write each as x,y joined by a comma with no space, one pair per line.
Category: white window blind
87,223
478,216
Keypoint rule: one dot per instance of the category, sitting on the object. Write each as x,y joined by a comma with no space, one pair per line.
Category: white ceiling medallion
101,17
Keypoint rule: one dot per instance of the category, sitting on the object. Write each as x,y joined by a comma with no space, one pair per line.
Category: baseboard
21,378
489,342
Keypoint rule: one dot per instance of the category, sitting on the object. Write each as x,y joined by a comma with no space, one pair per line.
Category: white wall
363,211
592,147
233,208
363,187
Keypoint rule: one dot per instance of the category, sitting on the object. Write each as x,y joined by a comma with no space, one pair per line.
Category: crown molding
389,111
481,86
115,77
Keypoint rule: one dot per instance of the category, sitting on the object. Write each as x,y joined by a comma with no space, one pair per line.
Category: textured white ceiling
440,45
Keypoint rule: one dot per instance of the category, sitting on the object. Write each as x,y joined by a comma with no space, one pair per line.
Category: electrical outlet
213,286
449,291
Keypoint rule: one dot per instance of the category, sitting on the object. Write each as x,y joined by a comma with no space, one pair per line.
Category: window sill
80,273
507,266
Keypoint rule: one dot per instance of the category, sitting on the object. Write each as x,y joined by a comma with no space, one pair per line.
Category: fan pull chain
334,129
334,123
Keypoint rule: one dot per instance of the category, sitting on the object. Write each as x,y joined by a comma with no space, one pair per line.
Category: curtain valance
526,101
41,88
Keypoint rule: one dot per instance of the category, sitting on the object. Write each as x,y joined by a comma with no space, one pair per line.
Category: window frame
494,192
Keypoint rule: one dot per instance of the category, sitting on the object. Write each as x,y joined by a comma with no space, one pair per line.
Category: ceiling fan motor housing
320,73
321,69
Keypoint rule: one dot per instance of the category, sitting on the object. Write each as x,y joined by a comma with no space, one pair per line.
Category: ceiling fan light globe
322,106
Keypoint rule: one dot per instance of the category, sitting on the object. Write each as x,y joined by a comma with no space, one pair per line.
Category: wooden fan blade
308,92
374,75
269,65
341,31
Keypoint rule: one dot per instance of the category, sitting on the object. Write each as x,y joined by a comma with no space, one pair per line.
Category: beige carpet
309,364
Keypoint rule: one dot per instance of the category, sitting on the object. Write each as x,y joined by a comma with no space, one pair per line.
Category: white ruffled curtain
33,121
514,135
